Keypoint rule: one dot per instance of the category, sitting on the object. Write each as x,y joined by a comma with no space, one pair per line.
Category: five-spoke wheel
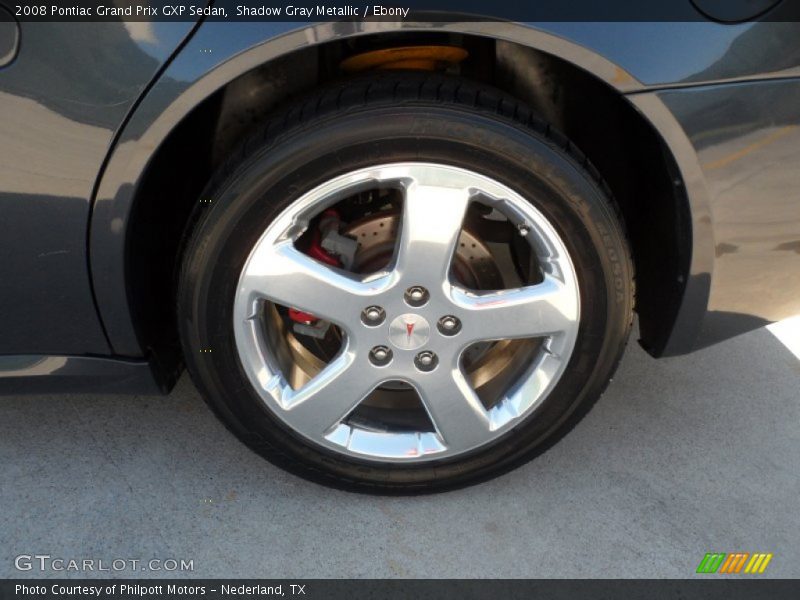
407,283
386,316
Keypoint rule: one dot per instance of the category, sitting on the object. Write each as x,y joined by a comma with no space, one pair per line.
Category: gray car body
80,126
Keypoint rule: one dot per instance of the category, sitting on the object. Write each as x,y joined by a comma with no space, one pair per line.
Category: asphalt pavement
680,457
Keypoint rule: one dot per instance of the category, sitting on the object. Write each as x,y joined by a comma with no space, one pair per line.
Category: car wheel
404,283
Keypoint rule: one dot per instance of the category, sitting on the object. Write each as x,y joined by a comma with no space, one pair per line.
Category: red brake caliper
329,220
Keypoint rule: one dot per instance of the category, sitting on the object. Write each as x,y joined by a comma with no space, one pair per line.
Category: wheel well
619,142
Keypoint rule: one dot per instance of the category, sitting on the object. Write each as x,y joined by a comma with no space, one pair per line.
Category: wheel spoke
329,397
286,276
544,309
432,216
454,408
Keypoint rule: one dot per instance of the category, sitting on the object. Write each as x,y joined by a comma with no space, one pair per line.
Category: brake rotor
474,266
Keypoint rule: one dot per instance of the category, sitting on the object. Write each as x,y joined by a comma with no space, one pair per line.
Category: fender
195,74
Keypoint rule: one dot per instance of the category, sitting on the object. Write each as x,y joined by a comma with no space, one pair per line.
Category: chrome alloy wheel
430,319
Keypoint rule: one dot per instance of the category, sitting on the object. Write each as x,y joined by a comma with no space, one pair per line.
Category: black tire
387,118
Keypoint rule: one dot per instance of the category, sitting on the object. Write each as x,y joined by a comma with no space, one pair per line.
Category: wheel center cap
409,331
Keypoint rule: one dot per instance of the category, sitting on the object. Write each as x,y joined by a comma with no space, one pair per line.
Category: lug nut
373,315
449,325
417,296
426,361
380,356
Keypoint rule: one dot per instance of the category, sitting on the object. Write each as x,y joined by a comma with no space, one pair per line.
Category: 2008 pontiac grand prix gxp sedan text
394,257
